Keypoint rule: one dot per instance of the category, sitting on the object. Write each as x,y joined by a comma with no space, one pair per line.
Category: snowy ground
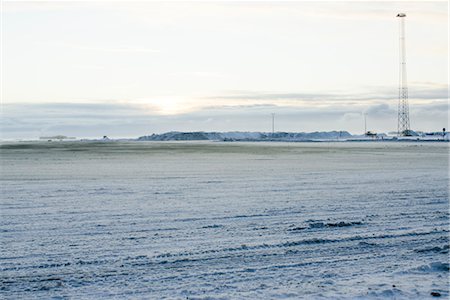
224,220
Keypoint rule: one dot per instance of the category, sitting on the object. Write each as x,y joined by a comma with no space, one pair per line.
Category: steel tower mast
403,127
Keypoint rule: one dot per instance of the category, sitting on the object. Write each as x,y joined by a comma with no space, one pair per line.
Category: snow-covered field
209,220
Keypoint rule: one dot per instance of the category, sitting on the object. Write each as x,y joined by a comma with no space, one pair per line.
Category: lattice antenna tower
403,126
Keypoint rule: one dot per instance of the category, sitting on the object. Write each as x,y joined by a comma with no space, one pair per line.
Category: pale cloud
126,49
418,92
123,49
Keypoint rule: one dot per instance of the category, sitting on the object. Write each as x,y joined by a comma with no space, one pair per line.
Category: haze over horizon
122,69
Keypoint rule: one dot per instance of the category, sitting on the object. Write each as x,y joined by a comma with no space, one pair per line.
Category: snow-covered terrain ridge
288,136
245,136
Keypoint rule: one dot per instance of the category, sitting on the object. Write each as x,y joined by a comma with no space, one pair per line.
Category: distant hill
246,136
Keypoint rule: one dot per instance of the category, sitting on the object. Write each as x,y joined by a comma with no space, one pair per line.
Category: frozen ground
224,220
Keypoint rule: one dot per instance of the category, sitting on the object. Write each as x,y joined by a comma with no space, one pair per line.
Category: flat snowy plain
214,220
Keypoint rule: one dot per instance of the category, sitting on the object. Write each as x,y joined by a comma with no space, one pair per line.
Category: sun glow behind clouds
167,105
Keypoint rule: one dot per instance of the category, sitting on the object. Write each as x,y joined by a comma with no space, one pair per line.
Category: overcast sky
126,69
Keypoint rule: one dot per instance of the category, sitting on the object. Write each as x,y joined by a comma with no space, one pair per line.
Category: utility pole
273,124
365,124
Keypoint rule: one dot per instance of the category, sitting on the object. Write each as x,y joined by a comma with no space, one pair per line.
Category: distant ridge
246,136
